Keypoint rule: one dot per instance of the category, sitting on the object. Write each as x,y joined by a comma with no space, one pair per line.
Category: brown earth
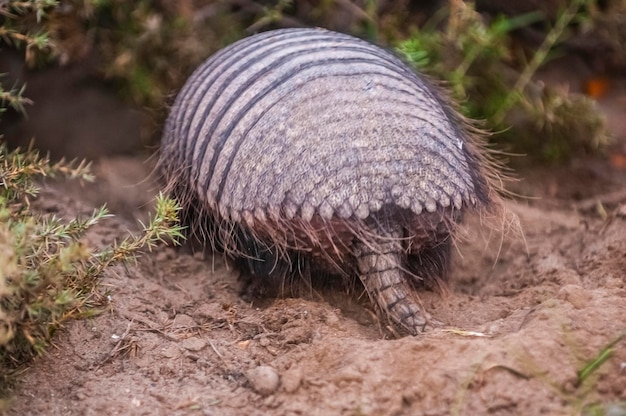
522,317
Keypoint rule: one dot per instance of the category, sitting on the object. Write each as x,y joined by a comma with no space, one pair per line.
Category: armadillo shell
296,128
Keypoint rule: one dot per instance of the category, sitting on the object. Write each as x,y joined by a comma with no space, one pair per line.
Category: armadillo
309,151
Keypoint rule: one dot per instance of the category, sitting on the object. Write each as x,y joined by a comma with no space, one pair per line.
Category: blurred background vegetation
486,53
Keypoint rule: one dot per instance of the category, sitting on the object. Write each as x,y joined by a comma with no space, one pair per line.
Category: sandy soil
522,317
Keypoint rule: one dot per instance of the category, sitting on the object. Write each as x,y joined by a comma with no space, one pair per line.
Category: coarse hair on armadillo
295,143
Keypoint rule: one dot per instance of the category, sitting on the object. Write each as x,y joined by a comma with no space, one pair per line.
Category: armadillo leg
381,271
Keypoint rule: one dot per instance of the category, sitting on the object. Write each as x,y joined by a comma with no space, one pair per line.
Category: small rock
263,379
210,310
332,319
184,321
568,277
170,351
194,344
614,282
576,295
292,379
615,409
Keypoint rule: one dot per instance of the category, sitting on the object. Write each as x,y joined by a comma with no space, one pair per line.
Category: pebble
291,380
576,295
170,351
184,321
263,379
194,344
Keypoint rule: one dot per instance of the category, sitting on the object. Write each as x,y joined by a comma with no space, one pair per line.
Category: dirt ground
177,339
523,316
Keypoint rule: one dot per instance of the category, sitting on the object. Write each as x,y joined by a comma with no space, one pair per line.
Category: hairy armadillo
309,151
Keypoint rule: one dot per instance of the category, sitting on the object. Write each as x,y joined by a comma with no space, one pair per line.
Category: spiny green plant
476,60
24,24
13,98
48,273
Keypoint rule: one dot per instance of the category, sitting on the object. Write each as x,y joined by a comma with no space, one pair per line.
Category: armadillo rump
306,153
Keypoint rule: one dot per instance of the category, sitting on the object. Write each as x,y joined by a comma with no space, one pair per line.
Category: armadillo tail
384,277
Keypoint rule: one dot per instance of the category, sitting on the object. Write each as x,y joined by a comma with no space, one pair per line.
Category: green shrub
476,60
47,273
